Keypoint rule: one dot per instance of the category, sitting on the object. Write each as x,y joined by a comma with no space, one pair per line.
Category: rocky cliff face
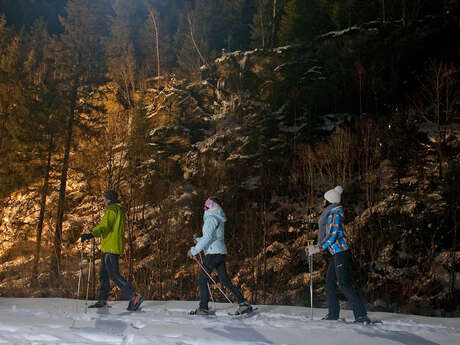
225,136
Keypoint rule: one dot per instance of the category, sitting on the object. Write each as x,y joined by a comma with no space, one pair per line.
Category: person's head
110,196
212,202
334,196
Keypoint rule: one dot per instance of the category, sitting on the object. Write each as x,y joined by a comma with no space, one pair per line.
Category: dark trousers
210,262
110,271
339,272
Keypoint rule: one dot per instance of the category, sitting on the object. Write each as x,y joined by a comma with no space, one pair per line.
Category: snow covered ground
64,321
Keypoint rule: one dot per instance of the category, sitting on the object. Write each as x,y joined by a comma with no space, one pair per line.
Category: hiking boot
364,320
135,302
199,311
244,307
329,318
99,304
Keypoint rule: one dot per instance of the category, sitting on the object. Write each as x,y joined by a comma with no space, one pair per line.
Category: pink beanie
211,204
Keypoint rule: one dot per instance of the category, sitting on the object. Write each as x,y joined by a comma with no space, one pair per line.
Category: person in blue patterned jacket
331,237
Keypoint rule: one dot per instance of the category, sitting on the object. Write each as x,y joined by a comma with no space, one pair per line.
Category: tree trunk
56,258
41,217
261,22
274,19
194,43
155,26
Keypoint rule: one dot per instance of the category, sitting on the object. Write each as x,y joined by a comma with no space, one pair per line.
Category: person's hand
189,253
86,237
312,249
195,238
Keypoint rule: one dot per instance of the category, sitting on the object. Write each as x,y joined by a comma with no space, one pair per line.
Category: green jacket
112,229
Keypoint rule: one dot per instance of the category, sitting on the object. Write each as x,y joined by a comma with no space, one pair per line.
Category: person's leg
104,282
343,263
225,280
331,291
209,263
111,264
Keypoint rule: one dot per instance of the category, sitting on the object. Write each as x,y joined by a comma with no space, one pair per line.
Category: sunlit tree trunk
155,26
41,217
56,258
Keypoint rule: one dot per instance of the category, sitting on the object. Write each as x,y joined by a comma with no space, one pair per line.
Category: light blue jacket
212,241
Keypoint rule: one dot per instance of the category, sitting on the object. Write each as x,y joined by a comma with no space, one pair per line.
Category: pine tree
29,127
260,27
266,23
302,21
81,67
207,29
13,112
192,45
121,53
138,152
45,102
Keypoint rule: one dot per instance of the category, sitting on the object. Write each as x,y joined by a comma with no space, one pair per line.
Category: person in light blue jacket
213,244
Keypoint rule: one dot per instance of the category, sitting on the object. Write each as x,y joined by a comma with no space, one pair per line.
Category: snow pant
110,271
210,262
339,272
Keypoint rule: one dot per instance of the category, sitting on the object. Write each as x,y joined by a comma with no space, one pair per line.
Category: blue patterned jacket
335,239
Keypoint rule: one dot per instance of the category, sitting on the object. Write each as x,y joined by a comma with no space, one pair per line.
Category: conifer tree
138,152
207,29
266,22
14,91
121,53
29,127
302,21
260,27
45,102
81,67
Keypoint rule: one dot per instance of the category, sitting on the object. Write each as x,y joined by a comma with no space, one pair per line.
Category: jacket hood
217,212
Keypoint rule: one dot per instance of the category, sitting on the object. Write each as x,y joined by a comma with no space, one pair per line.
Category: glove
86,237
195,238
312,249
189,253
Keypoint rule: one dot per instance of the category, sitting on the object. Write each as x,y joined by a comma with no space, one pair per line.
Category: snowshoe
363,320
329,318
99,304
244,308
366,321
135,302
199,311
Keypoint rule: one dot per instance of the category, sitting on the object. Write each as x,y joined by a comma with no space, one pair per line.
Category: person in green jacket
112,232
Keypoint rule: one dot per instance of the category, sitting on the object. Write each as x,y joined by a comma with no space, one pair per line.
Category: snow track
64,322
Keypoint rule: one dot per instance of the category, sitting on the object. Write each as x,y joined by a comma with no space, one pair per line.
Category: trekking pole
89,274
310,264
209,288
213,281
79,278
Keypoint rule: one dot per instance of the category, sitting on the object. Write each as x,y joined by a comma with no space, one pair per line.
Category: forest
264,103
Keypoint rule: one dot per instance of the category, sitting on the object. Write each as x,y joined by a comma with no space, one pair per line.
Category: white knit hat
334,195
